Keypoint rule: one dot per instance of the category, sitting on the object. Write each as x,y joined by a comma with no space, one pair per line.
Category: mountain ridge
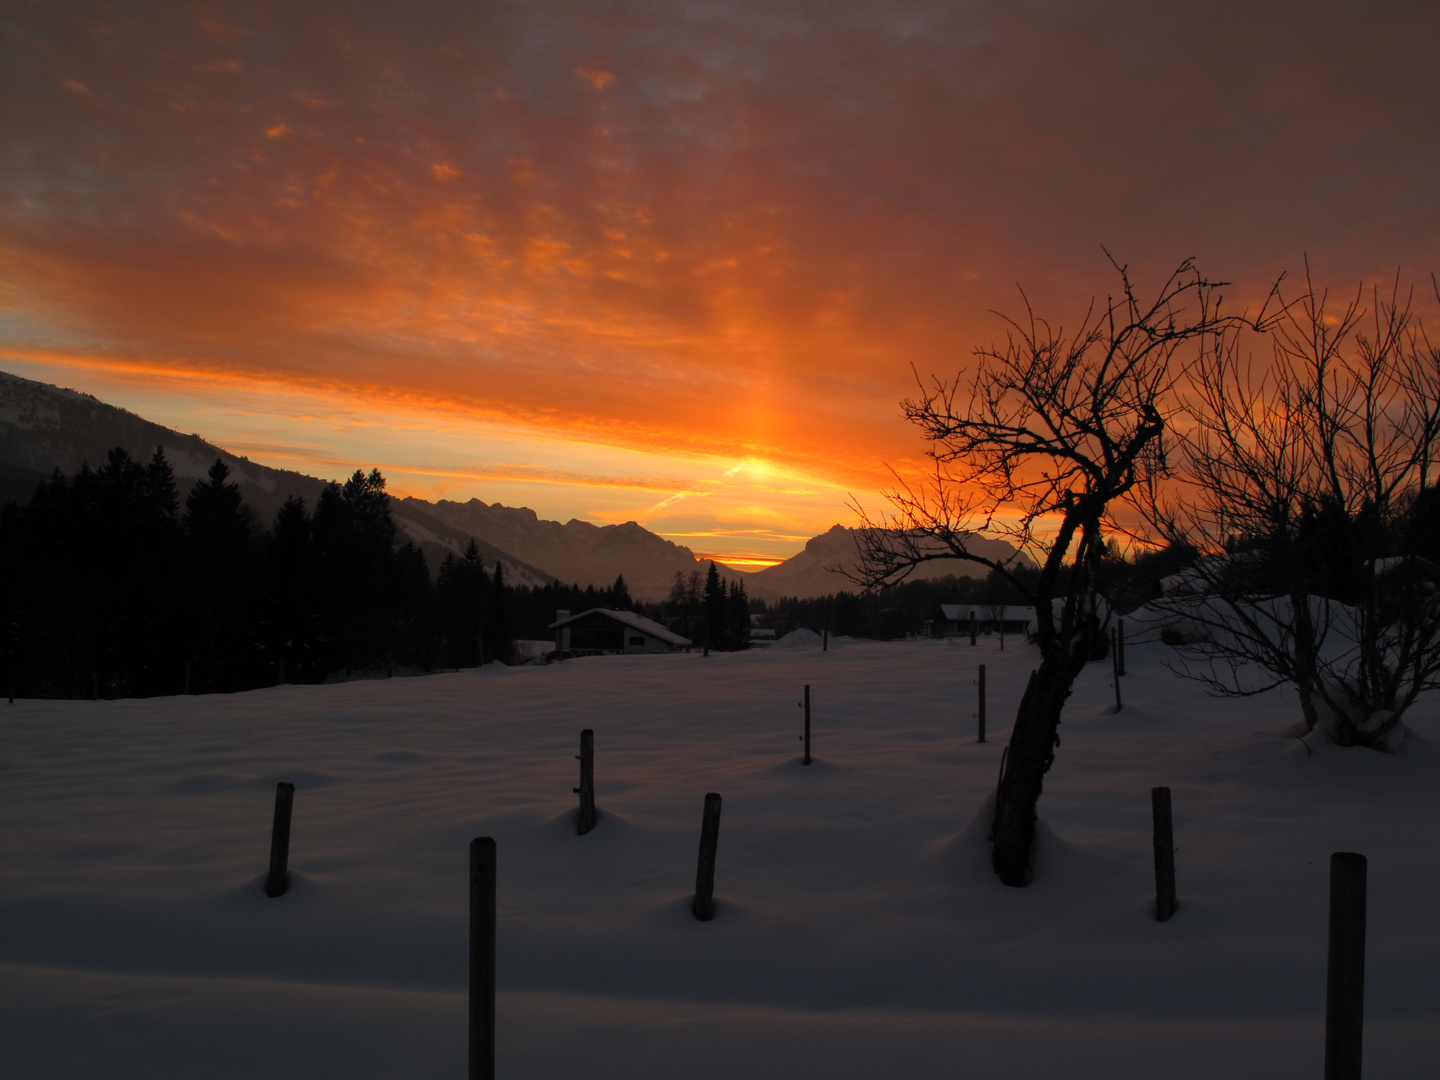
44,427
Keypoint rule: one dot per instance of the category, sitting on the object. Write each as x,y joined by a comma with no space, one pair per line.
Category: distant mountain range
43,427
577,552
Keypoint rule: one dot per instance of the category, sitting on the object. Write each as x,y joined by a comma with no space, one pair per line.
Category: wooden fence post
806,759
1164,833
704,903
1345,977
825,640
981,714
586,820
1115,670
1120,644
279,879
972,628
482,959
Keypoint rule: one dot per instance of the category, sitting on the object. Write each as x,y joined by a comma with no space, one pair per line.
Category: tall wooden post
1165,903
1120,645
806,759
704,903
1345,979
972,628
980,714
482,959
1115,669
586,820
825,638
279,878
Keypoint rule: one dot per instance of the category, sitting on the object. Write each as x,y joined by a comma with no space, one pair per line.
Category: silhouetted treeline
532,609
893,613
707,609
113,589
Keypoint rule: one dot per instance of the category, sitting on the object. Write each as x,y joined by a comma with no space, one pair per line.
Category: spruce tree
620,594
739,616
716,621
498,641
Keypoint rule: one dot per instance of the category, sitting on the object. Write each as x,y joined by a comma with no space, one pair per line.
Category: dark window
637,641
597,632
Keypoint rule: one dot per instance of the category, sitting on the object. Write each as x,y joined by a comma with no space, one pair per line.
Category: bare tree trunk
1027,760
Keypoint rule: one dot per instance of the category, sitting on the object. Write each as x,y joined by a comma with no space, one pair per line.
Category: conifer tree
739,616
498,642
620,595
716,610
219,570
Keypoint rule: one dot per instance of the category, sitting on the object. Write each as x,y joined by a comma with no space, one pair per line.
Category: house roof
630,619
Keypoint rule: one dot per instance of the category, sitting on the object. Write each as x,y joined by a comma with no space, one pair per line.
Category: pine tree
716,621
739,616
620,594
498,641
292,624
219,573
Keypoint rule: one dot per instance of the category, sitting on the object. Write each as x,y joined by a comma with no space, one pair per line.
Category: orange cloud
595,77
735,253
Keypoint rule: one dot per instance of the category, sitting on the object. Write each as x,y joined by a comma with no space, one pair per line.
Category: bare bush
1306,487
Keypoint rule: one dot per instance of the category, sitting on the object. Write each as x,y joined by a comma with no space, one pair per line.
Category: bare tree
1306,488
1041,444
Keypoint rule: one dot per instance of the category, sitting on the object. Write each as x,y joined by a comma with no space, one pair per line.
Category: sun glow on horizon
665,264
438,450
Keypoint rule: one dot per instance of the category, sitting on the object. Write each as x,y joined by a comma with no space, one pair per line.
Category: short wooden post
482,958
972,628
980,715
1115,670
279,878
806,759
825,638
1345,978
586,820
704,905
1120,645
1165,903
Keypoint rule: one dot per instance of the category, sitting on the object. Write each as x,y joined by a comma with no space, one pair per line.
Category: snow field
859,931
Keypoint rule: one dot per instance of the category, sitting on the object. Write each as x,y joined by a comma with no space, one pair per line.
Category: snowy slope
859,931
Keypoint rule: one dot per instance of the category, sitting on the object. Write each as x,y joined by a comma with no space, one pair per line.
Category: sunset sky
666,261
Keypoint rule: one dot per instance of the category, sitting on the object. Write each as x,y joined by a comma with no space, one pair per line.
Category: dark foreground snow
859,932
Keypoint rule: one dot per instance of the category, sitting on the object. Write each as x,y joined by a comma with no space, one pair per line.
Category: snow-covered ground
859,931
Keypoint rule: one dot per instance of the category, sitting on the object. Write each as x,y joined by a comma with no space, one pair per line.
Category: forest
117,588
121,589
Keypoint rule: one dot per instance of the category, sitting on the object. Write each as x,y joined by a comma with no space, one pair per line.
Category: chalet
601,631
989,618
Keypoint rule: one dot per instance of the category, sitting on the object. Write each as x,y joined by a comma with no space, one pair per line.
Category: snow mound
798,639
